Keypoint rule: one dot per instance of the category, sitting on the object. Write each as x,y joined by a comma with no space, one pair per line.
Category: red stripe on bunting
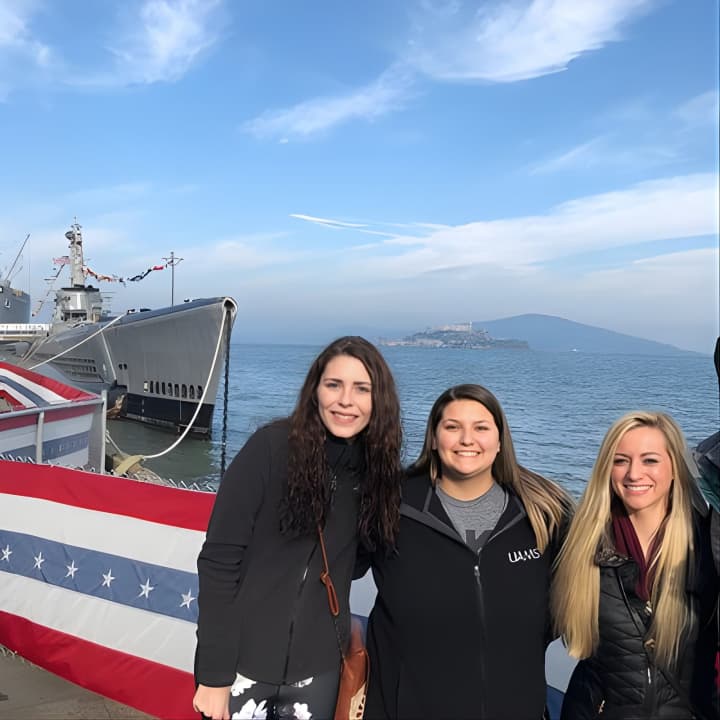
188,509
11,400
51,416
150,687
66,391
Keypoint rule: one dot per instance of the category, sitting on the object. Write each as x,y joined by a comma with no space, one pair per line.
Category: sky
375,167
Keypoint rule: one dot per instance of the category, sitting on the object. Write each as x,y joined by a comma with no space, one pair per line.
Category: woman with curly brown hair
268,645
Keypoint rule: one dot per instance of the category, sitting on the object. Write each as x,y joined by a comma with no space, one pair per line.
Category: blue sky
376,166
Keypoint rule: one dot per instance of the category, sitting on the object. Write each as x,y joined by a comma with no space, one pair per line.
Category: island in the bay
457,335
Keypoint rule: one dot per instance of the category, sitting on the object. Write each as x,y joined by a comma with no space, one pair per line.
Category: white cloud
326,221
388,93
677,207
639,135
463,41
154,41
607,152
444,273
342,225
164,40
584,155
15,33
516,265
515,41
700,111
21,53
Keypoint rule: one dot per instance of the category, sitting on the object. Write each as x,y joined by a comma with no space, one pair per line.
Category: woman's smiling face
467,441
344,396
642,473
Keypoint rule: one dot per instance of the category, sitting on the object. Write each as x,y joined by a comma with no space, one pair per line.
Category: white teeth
467,453
637,488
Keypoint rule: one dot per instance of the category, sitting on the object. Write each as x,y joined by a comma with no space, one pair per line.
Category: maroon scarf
628,544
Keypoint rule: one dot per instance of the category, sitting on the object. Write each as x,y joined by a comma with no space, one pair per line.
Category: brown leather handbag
355,667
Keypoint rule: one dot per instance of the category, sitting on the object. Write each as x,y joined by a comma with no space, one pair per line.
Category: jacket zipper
291,629
481,606
481,612
649,699
650,691
481,609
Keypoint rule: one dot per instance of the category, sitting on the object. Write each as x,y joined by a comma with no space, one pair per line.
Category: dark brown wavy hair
308,493
546,503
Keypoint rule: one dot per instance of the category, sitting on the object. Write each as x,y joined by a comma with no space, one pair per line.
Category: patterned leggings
311,699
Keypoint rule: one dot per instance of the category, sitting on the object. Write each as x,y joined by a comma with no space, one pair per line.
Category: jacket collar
421,503
608,556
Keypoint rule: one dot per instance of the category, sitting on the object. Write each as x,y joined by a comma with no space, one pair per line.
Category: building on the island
455,327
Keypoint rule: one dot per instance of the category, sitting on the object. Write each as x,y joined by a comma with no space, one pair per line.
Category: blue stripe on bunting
129,582
24,391
52,449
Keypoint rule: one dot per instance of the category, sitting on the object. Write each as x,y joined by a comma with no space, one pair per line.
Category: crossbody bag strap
332,595
326,579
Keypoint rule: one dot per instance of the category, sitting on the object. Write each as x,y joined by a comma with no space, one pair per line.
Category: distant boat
160,367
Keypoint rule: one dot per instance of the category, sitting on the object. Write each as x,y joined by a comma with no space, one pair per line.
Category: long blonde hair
576,586
547,505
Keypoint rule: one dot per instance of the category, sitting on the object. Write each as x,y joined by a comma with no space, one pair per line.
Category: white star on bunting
107,578
71,570
146,589
39,560
7,552
187,599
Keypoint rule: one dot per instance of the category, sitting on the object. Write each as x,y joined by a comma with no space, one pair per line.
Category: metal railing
10,332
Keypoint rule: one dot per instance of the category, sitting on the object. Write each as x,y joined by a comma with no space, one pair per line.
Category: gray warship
160,367
14,303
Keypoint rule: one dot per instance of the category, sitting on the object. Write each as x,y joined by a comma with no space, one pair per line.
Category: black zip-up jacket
621,680
454,634
263,611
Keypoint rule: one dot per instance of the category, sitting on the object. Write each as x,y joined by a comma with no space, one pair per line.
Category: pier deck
35,694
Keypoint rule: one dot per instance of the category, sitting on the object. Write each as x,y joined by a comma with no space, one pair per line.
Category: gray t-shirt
475,519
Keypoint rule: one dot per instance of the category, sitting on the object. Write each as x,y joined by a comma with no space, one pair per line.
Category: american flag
98,581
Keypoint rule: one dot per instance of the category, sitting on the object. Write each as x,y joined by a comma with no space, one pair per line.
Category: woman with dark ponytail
268,645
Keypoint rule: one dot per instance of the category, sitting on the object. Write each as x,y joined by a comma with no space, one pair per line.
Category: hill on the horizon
556,334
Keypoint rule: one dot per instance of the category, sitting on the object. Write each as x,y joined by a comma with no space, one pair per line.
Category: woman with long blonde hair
635,589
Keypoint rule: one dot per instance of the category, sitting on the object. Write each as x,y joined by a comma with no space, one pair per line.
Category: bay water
558,405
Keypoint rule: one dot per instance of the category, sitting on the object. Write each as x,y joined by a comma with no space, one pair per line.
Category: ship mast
77,276
17,257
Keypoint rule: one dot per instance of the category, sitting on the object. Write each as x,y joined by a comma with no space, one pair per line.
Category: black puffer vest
621,680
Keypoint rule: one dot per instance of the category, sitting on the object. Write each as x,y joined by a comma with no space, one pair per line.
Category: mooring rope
223,444
206,387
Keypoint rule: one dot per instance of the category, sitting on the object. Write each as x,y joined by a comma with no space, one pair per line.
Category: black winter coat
263,610
621,681
455,634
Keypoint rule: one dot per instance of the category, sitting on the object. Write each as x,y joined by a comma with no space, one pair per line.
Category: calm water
559,405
